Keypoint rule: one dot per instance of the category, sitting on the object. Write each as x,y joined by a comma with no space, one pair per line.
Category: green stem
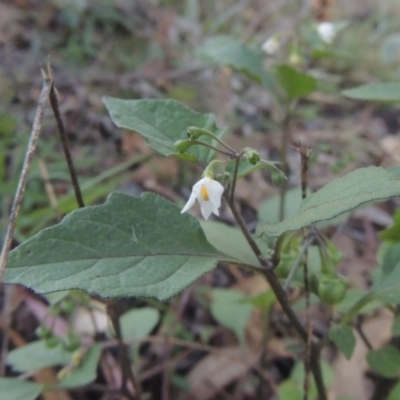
208,133
234,178
231,155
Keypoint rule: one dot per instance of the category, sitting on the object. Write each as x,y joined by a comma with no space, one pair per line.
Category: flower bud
252,156
194,133
331,290
182,146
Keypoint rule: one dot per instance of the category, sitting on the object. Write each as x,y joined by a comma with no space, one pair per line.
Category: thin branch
200,143
126,367
360,330
65,145
283,300
270,275
34,136
297,262
234,179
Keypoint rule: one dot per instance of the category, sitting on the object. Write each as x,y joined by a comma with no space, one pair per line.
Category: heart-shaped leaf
162,123
130,246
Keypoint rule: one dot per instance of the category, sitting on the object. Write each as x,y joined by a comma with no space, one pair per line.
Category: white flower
327,31
271,45
208,192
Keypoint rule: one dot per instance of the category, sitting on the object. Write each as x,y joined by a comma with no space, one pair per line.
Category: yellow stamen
204,193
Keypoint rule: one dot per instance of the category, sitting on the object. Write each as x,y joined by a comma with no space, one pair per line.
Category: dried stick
34,136
64,142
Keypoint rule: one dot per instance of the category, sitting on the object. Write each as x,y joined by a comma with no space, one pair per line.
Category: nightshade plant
145,247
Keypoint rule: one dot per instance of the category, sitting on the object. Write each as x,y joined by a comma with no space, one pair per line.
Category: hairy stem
283,300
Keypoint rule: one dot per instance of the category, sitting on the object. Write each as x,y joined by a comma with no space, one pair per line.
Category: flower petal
215,190
206,208
190,202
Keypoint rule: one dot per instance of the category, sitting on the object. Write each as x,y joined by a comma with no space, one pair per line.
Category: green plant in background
149,247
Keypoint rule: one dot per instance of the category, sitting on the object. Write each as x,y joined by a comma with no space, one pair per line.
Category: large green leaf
130,246
231,241
17,389
294,83
162,123
343,194
227,51
386,91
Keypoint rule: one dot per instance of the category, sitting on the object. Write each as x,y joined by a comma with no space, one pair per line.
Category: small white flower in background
327,31
271,45
208,193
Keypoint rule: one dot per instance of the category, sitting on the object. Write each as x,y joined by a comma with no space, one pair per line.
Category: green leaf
385,361
394,393
230,241
224,301
86,372
343,337
386,91
389,257
17,389
387,288
162,123
226,51
392,234
130,246
36,355
343,194
263,301
139,323
294,83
